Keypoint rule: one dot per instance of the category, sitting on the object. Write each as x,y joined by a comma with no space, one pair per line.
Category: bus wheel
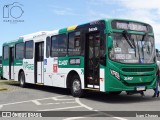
115,93
22,80
76,89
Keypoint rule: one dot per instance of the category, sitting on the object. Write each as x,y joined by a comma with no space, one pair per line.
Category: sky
46,15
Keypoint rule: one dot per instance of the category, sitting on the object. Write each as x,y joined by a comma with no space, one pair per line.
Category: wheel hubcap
76,86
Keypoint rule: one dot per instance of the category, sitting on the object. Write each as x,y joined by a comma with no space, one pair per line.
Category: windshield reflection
141,51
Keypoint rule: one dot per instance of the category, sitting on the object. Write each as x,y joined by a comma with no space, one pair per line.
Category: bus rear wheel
22,80
76,88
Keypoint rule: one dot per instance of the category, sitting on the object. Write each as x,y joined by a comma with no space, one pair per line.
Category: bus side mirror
110,42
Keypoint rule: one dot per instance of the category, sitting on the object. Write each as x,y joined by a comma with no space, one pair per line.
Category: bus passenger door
39,56
11,63
92,60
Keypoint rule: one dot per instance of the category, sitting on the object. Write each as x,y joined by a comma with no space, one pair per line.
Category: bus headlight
115,74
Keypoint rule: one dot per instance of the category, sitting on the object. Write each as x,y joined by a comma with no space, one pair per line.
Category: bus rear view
131,64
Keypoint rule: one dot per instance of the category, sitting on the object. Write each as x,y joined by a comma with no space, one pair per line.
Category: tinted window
48,44
5,52
59,45
74,43
20,51
29,49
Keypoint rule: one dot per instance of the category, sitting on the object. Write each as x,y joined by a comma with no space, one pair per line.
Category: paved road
40,98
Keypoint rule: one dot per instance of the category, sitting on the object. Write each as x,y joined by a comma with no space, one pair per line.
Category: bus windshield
132,49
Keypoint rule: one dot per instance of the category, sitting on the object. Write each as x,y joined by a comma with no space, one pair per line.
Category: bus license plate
140,88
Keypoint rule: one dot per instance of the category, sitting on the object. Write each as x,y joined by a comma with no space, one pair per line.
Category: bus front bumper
114,85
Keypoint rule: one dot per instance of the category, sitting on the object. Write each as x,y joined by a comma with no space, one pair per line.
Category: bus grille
137,84
137,69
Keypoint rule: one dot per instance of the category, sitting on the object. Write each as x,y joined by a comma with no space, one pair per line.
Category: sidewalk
2,89
7,81
3,82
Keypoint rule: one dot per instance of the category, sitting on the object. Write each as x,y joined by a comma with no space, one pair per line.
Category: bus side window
59,45
74,44
5,53
62,45
48,45
29,49
20,51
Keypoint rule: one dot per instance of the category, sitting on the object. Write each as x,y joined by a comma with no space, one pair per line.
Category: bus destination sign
129,26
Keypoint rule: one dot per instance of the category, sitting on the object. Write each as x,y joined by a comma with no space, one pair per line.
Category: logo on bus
82,71
63,62
55,68
45,62
28,66
93,29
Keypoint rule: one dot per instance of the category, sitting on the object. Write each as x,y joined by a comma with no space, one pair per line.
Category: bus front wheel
76,88
22,80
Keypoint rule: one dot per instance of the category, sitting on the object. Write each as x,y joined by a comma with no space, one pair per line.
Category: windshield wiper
142,47
134,47
144,36
125,34
148,48
131,43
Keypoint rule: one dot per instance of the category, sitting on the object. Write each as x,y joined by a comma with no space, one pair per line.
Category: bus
108,55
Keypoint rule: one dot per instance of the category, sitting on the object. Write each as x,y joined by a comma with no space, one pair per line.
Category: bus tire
115,93
22,80
76,88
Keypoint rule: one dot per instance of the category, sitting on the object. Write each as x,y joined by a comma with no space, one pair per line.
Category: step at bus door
92,60
39,57
11,63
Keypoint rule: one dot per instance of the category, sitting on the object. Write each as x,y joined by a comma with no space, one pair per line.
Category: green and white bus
109,55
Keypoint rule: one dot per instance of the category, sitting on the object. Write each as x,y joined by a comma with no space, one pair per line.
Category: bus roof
63,30
71,28
33,35
10,43
111,19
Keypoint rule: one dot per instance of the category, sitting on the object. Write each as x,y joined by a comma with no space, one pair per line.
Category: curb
2,89
8,82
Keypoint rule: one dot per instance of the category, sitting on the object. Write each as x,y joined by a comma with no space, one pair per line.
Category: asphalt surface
94,104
